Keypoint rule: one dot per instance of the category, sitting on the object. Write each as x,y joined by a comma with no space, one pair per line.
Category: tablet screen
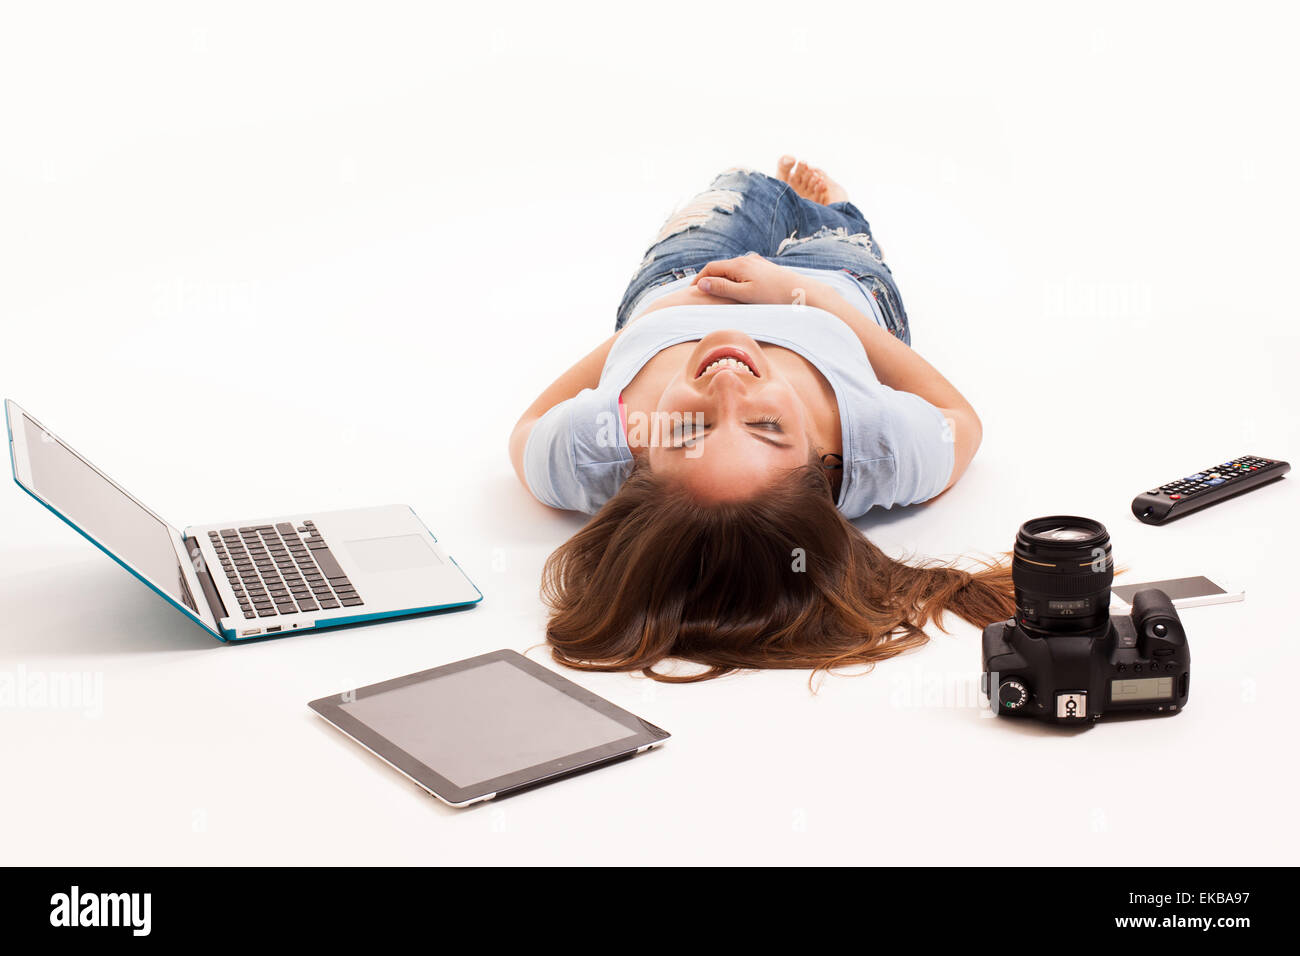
485,722
487,726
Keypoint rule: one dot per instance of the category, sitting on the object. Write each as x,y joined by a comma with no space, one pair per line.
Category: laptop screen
103,511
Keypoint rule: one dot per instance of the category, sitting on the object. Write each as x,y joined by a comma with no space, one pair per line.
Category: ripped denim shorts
745,211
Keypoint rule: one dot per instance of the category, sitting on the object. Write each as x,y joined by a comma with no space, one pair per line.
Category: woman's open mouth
727,357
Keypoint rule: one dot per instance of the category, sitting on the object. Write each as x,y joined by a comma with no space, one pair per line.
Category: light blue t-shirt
897,447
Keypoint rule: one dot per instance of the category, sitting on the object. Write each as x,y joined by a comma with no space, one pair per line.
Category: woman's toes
810,182
828,190
818,186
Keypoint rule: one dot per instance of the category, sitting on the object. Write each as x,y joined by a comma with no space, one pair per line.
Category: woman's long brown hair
779,581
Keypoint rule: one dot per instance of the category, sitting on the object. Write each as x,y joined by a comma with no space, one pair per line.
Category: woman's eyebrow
764,438
695,436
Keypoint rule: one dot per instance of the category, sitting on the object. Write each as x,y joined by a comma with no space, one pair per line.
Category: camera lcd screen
1146,688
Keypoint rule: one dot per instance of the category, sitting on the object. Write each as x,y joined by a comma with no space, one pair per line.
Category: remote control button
1175,497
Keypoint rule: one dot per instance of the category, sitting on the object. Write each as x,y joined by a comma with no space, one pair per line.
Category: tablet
487,726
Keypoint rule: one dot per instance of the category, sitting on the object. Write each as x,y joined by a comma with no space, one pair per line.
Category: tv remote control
1206,487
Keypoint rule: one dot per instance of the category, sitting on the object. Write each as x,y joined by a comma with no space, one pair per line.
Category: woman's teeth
729,363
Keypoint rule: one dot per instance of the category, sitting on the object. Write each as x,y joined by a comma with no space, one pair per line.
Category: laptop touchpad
398,553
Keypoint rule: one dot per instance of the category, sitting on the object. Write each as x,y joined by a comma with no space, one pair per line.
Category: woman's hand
752,279
690,295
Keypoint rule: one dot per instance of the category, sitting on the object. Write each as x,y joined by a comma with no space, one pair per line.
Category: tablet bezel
641,734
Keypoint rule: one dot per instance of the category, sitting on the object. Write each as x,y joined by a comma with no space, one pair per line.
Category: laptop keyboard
279,569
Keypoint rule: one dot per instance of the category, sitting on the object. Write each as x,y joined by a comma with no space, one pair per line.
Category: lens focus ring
1075,584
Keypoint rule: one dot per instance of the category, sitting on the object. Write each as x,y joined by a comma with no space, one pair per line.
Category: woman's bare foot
810,182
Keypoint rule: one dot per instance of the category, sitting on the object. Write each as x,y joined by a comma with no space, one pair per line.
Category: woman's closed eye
686,433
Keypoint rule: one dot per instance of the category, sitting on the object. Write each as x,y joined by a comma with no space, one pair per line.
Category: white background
271,258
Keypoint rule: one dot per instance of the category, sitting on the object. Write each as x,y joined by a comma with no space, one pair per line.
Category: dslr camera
1064,657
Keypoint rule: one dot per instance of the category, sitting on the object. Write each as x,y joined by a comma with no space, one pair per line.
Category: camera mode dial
1012,695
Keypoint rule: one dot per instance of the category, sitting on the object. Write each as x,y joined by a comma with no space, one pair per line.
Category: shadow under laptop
83,609
90,608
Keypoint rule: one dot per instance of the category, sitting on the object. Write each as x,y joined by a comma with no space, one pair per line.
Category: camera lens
1062,570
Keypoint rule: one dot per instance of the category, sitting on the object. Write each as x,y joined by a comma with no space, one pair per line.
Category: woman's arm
754,279
584,374
900,368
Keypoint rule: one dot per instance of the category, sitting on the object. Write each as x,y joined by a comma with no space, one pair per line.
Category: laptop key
307,604
351,602
328,565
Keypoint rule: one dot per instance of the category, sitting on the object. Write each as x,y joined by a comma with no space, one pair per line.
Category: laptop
247,580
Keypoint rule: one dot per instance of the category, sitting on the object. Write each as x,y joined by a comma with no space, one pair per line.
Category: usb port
272,630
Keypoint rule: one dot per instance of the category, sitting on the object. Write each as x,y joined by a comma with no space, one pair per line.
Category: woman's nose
728,381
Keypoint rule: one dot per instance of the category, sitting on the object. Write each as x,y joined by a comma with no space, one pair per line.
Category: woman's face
730,422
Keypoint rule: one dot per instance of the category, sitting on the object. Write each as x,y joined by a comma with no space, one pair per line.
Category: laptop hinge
200,565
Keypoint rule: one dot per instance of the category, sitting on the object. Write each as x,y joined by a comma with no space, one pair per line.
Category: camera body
1134,662
1064,657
